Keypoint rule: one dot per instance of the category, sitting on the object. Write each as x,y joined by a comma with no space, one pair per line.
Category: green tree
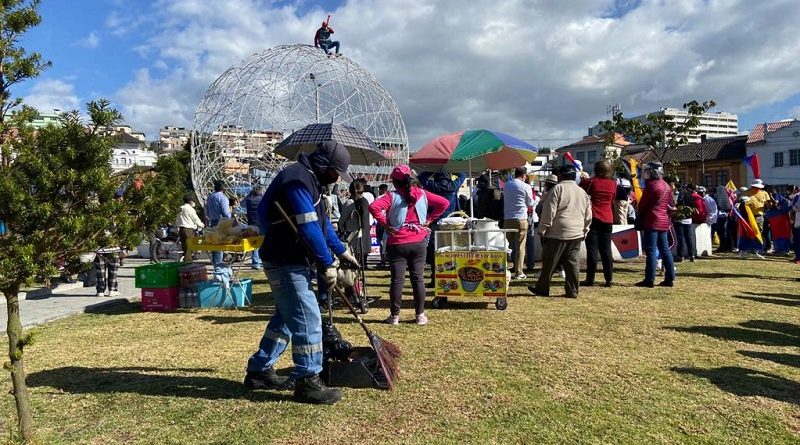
661,132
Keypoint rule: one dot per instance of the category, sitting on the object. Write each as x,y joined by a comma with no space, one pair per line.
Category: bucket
491,240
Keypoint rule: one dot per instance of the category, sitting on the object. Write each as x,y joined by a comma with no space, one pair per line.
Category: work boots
268,379
311,389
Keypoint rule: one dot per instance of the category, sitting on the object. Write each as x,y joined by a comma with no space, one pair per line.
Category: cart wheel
501,304
439,302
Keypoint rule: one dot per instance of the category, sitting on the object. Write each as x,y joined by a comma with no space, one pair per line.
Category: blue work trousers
297,320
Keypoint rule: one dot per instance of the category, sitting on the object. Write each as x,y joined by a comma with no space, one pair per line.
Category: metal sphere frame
259,101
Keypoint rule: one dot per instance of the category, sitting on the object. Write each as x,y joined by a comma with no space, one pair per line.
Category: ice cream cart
471,263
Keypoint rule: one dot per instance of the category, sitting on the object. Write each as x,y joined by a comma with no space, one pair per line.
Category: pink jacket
654,205
436,206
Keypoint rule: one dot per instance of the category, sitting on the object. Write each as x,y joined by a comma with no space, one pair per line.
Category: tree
661,132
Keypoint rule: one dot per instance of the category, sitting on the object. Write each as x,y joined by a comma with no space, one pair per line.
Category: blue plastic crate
211,293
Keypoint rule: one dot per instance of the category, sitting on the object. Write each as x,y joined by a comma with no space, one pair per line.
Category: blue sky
543,70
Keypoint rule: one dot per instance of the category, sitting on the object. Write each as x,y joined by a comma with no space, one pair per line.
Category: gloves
330,275
348,256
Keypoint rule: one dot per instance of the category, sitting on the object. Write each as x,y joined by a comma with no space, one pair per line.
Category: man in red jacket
700,214
322,39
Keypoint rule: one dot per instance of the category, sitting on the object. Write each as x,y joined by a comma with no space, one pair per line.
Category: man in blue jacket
298,189
444,185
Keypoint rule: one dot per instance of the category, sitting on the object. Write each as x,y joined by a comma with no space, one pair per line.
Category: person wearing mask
188,223
217,206
251,203
488,200
653,215
405,214
355,218
564,224
298,189
602,190
517,198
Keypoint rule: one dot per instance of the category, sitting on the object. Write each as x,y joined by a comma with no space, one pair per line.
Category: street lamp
702,158
316,93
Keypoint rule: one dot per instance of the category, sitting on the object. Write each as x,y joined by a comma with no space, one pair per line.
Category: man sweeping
322,39
298,189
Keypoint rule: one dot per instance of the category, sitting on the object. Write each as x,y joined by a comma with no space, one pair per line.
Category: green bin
158,276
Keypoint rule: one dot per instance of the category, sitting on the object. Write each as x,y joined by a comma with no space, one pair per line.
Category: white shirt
517,197
188,218
711,209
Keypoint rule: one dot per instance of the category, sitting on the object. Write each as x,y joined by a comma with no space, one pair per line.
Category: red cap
401,171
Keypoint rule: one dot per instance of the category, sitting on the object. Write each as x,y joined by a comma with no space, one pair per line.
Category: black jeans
413,256
686,241
599,241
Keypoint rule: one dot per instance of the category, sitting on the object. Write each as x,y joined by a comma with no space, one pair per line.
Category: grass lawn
714,360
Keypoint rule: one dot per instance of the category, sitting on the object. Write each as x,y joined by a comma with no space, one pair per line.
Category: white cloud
49,94
537,69
91,41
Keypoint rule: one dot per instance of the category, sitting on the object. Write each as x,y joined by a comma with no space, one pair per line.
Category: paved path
73,299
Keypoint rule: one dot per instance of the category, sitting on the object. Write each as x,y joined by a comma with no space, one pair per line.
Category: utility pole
316,94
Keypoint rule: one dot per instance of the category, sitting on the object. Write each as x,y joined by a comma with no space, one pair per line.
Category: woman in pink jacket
653,210
405,214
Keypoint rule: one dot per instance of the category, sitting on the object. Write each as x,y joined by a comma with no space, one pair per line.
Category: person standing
723,202
533,224
710,207
217,206
382,190
517,198
355,218
188,223
758,198
687,247
440,184
298,189
251,203
622,197
405,215
563,225
602,190
794,208
653,215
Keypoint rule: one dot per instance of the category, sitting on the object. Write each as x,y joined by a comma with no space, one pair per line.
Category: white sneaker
113,293
392,319
520,276
422,319
100,294
563,274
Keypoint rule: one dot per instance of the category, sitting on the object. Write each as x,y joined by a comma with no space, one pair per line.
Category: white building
131,151
712,125
778,148
172,139
241,144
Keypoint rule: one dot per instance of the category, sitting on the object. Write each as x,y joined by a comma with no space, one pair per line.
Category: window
778,159
794,157
581,156
591,157
722,177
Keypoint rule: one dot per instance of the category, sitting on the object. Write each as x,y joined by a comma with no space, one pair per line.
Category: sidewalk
72,299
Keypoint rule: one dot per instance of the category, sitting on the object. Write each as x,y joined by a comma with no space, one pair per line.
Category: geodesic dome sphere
258,102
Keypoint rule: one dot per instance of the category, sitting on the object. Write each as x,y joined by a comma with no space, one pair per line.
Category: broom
387,352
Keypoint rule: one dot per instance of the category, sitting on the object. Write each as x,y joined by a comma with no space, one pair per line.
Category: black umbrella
361,148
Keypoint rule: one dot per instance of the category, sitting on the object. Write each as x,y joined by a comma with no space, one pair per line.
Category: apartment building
712,125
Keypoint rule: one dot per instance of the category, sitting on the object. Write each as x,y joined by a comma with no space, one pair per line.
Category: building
711,162
130,151
43,120
593,148
241,144
778,147
172,139
712,125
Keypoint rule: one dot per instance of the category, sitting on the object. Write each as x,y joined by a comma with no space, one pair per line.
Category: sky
542,70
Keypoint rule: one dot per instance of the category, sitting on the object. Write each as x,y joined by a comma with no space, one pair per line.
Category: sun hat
552,179
757,183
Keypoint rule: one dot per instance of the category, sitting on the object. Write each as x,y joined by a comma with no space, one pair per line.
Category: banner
475,273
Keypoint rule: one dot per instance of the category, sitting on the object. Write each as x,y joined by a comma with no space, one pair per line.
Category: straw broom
387,352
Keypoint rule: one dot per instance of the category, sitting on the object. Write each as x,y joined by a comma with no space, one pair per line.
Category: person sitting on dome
322,39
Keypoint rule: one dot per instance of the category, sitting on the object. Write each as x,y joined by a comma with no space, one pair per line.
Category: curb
44,292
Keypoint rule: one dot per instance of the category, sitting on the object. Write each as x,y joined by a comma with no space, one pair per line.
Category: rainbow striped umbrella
487,149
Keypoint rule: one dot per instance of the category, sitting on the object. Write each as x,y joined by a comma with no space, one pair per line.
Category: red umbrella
435,154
